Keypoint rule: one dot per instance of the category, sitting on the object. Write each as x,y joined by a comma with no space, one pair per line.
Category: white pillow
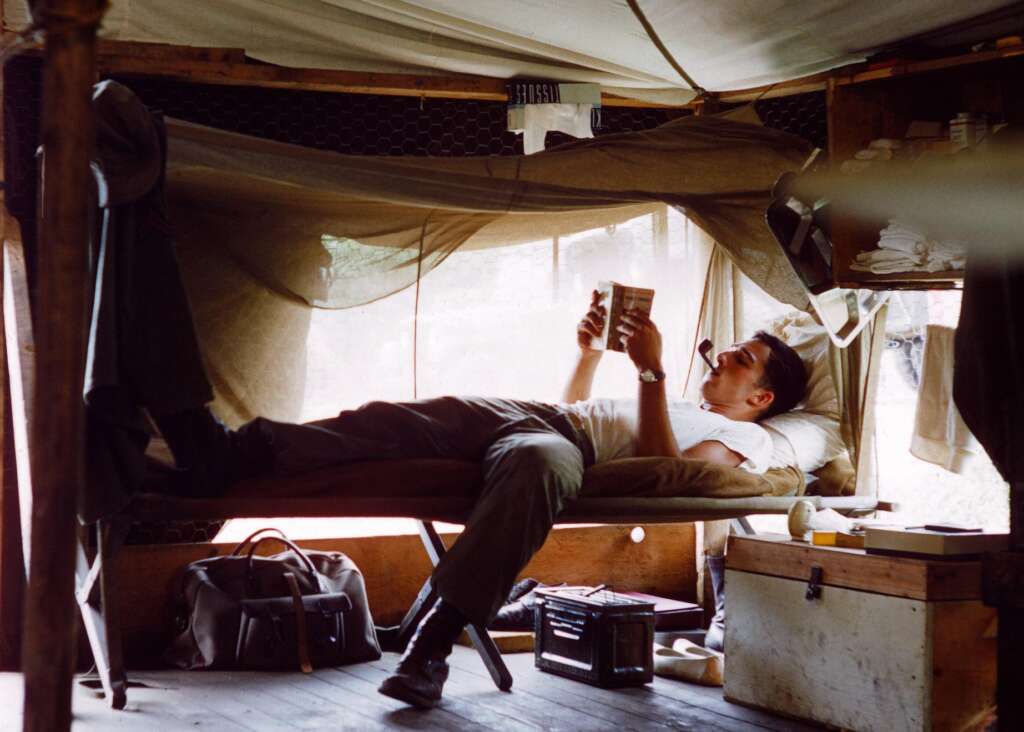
809,435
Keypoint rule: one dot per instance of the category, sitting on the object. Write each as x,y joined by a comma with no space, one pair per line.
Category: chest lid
918,579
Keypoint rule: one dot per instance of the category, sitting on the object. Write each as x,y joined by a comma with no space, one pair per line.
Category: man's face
738,370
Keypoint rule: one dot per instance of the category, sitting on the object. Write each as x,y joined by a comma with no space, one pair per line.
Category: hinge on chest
814,584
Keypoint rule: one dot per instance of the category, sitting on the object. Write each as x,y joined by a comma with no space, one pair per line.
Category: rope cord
763,92
416,311
635,7
700,315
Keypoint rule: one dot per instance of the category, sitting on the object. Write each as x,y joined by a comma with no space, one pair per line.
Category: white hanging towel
539,119
940,435
536,108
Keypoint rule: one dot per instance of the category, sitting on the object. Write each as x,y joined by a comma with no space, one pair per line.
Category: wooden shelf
947,280
921,67
881,103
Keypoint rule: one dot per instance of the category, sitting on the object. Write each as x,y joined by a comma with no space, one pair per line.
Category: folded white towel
902,248
903,244
900,227
877,256
887,267
948,247
901,237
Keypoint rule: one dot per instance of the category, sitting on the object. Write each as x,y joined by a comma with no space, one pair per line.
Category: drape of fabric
142,348
284,200
855,371
728,44
988,378
722,314
940,435
266,230
721,320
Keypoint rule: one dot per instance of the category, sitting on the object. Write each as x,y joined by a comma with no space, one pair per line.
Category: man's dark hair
784,375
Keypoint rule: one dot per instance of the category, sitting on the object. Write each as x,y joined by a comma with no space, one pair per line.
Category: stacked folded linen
902,238
949,254
902,248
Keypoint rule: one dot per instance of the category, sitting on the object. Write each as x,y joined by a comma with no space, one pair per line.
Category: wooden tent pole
57,437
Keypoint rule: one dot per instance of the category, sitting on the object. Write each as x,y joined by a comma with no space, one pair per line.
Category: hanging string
635,7
700,315
416,311
764,91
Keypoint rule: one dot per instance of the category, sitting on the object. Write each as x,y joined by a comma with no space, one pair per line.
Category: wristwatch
650,376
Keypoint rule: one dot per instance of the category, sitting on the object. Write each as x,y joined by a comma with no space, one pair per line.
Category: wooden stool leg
97,603
482,641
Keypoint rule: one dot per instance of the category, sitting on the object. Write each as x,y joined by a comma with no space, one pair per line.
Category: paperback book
618,298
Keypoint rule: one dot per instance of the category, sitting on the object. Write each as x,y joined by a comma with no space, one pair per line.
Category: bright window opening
499,322
926,492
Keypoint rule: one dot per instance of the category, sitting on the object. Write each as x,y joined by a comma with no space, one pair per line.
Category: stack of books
933,540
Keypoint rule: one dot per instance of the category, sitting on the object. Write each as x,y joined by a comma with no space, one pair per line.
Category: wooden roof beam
229,66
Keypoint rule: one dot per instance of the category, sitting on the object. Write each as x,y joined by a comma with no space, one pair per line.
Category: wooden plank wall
396,566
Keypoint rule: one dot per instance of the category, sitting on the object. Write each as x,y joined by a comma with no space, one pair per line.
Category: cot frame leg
425,600
95,592
740,526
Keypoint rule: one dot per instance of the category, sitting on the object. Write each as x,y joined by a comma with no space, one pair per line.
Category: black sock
200,445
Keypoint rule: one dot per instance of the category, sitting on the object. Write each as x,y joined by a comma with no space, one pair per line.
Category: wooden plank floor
347,699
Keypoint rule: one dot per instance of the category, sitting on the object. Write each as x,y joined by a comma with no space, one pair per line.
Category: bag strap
301,633
238,549
314,576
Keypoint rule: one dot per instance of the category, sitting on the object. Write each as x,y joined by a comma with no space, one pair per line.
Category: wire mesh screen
805,115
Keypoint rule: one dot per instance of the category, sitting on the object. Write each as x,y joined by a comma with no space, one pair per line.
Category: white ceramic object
800,515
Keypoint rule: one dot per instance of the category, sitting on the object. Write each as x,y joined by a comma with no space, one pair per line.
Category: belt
583,441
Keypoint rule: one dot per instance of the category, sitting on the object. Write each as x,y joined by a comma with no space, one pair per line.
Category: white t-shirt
611,425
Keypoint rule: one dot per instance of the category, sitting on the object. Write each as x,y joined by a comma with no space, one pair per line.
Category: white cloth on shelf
901,248
902,238
885,261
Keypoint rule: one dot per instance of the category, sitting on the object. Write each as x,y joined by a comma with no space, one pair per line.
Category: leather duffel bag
295,609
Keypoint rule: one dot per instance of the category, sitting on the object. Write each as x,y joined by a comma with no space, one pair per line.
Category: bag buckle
275,637
814,584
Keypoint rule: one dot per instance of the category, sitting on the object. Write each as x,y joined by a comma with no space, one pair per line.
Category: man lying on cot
533,455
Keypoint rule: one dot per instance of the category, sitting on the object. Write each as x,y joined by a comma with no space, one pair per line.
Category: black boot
422,670
715,637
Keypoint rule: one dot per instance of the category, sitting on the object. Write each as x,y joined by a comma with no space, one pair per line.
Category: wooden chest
883,643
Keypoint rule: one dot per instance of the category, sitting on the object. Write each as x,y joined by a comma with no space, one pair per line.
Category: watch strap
650,376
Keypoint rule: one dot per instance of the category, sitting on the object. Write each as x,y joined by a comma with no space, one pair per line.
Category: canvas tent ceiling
723,45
